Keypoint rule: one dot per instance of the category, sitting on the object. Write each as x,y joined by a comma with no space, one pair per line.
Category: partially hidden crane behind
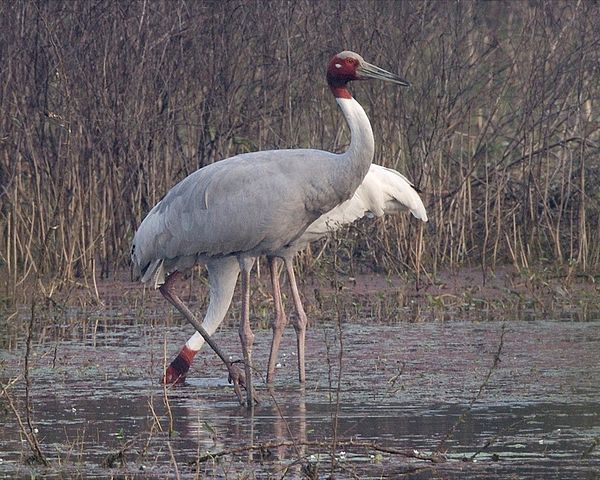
255,204
384,191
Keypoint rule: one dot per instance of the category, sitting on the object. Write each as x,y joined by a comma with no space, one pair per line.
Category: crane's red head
347,66
342,69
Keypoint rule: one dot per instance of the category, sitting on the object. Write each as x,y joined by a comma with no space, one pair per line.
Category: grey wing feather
252,203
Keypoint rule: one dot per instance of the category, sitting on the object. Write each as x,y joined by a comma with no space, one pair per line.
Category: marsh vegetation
105,106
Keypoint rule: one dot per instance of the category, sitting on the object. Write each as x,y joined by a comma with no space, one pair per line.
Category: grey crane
383,191
255,204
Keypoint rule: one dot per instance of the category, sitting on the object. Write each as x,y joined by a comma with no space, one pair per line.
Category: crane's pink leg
279,322
245,331
300,322
235,375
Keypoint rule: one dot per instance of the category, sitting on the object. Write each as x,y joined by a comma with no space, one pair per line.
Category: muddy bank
467,293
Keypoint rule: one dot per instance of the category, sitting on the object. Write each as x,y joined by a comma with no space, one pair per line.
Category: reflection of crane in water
383,191
255,204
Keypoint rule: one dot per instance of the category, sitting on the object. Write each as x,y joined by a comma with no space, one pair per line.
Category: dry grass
105,106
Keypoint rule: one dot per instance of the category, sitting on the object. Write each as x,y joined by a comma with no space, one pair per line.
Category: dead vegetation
106,105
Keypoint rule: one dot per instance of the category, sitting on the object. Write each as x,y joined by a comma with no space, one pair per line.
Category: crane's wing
253,203
398,193
383,191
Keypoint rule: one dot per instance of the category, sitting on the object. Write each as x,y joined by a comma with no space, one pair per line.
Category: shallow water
405,387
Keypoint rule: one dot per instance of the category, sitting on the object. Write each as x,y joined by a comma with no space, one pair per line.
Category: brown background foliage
106,104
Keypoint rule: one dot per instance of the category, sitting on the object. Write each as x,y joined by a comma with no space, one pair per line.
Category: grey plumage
251,204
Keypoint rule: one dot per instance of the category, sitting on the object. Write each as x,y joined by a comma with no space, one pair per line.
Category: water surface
411,387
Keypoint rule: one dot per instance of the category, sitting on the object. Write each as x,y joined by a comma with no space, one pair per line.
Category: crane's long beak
366,70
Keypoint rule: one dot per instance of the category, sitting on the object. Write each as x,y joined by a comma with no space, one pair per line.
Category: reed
105,106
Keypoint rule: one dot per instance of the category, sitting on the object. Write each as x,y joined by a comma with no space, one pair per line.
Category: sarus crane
255,204
383,191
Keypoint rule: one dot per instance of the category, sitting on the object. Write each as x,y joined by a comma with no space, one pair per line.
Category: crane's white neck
357,159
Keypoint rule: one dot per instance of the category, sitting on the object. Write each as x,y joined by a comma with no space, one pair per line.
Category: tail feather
398,192
154,271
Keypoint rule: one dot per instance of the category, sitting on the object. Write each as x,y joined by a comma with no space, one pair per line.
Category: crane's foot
178,368
238,380
173,377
